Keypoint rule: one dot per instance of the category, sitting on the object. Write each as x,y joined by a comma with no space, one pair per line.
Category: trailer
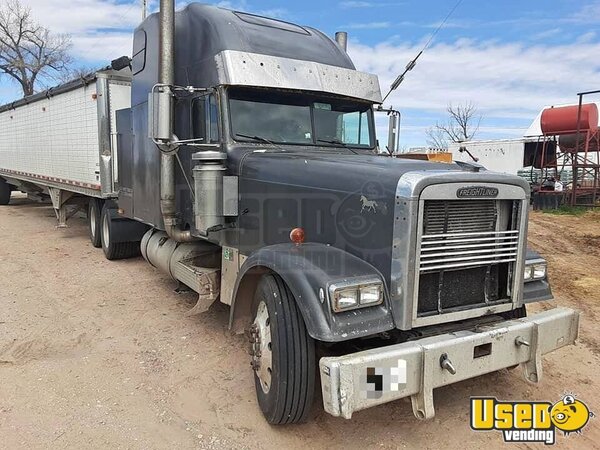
246,167
501,155
62,142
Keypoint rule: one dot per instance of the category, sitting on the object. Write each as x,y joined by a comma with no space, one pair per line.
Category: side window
355,128
205,119
364,138
213,112
199,118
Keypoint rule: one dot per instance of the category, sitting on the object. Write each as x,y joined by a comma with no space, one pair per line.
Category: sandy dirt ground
100,354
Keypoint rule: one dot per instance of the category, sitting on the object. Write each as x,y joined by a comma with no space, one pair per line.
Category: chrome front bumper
413,369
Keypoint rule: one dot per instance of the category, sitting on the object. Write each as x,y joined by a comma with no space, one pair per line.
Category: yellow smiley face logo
570,415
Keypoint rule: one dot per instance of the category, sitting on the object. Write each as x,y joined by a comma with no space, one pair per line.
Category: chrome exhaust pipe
167,161
341,37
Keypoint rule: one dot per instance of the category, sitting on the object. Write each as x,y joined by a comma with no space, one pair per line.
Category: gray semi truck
238,154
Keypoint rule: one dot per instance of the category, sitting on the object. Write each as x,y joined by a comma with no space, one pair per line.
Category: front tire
283,354
5,191
95,221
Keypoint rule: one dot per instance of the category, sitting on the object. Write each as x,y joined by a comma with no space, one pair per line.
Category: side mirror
120,63
160,114
393,133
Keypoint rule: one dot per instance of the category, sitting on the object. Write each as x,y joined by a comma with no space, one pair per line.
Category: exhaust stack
341,37
167,161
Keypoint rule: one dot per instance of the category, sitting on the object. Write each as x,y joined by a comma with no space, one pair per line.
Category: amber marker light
297,236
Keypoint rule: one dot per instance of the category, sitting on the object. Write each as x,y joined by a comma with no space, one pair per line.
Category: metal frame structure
583,159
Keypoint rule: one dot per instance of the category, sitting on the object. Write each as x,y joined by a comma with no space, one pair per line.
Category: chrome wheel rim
262,354
105,235
93,222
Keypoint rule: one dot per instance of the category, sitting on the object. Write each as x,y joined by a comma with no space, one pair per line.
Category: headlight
370,295
348,296
535,271
345,299
539,271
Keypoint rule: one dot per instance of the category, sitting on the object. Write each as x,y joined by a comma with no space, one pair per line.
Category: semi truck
237,153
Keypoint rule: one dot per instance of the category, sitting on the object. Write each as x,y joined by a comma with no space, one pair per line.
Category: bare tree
436,138
461,126
29,53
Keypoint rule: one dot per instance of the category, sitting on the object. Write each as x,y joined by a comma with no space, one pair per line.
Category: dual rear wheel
119,238
5,191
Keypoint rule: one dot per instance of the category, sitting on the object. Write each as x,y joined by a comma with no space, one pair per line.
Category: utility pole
144,8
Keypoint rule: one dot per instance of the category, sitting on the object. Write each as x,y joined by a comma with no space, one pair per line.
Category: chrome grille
456,250
459,216
467,253
464,233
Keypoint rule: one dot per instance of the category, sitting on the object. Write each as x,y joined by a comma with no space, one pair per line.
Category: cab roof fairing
237,68
204,31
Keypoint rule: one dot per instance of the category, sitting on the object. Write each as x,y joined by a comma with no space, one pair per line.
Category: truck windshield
300,119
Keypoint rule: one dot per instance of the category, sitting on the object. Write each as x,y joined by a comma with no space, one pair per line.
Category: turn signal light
297,236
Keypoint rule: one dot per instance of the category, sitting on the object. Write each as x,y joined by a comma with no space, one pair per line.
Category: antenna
411,65
144,9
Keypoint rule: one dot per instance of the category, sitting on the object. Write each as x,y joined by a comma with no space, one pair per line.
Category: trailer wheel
94,218
283,354
115,250
5,191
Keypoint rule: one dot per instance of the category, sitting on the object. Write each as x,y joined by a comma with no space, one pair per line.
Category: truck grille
466,254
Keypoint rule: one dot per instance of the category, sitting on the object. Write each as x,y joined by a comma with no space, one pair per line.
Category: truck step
203,280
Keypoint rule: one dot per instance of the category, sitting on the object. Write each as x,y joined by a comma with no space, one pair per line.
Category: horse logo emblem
369,205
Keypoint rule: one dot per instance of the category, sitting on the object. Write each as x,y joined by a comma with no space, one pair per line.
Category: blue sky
509,58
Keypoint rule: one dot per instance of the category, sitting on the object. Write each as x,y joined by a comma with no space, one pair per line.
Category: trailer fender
308,270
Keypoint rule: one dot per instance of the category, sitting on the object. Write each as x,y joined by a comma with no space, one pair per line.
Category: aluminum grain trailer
62,144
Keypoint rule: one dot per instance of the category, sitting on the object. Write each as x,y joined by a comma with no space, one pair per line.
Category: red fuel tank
563,119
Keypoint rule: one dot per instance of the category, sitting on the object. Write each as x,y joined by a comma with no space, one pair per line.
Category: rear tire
115,250
5,191
94,221
283,354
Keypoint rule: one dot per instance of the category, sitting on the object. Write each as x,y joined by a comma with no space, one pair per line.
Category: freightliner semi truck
238,154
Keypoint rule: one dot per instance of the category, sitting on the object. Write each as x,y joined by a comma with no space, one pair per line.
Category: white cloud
101,30
509,82
547,33
363,4
368,25
356,4
589,13
588,37
80,16
241,5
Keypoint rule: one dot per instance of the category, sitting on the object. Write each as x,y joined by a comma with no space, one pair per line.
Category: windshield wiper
333,141
337,142
255,138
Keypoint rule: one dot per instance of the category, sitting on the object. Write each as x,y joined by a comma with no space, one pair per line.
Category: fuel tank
568,143
563,119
